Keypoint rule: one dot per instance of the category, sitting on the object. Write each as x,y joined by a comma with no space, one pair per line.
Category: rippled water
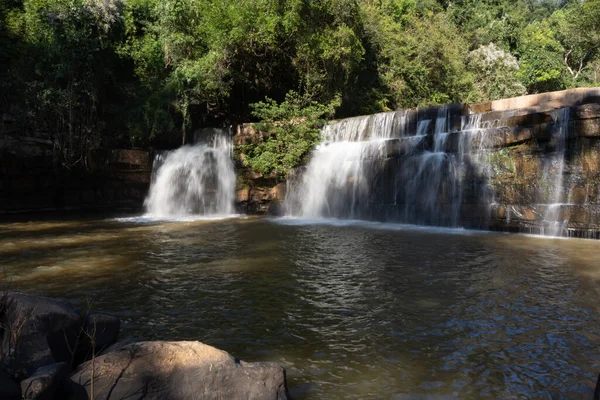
353,311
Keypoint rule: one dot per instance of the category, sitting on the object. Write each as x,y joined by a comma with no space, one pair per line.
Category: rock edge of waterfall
49,350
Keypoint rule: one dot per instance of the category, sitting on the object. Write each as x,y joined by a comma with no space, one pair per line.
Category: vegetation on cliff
95,73
289,131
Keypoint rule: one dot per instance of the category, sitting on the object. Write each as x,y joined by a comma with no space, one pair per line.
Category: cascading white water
336,182
194,179
426,177
385,167
553,224
476,122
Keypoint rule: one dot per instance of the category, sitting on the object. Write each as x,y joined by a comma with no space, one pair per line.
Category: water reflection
352,311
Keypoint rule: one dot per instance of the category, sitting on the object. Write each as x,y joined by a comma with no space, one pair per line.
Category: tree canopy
146,72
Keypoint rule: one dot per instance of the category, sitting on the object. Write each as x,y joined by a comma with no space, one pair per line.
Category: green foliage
290,130
577,28
541,58
93,73
421,62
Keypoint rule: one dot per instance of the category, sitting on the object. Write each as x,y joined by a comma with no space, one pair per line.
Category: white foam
151,218
294,221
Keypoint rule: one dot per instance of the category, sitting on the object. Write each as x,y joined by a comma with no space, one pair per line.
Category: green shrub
289,131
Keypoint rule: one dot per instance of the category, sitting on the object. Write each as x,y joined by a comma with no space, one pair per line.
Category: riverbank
49,351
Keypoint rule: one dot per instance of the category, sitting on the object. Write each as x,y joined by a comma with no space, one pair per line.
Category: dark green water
352,311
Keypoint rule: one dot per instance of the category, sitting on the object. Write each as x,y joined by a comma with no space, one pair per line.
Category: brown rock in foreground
177,370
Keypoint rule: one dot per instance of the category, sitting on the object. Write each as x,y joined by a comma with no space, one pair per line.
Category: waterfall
194,179
554,224
387,167
338,180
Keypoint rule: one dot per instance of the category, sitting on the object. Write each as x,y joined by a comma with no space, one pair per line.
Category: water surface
352,310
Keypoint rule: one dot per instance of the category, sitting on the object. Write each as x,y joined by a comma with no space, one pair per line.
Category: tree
91,73
421,62
66,67
578,30
496,73
542,66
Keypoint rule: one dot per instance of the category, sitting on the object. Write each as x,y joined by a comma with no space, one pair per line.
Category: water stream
429,171
554,223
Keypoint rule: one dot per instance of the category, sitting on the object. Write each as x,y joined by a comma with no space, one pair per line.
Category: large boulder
45,382
177,370
36,331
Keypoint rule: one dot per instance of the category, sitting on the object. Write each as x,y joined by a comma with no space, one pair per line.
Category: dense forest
93,73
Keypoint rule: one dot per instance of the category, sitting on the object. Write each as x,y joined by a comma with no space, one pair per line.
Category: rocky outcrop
178,370
259,195
523,176
36,331
30,180
542,101
42,339
255,193
509,171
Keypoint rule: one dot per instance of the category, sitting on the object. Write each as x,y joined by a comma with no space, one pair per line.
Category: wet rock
522,119
178,370
9,390
585,111
517,135
585,128
45,382
37,331
100,327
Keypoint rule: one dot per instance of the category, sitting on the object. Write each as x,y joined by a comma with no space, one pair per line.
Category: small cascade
554,224
195,179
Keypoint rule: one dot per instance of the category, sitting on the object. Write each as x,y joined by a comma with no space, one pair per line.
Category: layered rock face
534,178
29,180
529,164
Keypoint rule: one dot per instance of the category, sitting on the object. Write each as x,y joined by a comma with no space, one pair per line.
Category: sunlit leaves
541,58
291,130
